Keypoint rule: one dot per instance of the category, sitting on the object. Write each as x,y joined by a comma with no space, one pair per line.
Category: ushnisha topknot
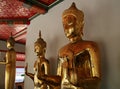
72,10
40,41
11,40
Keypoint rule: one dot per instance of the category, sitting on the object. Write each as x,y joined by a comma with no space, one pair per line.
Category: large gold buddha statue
79,60
10,62
41,63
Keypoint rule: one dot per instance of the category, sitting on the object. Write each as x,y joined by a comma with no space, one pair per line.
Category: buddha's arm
46,65
3,62
95,78
95,60
89,82
59,68
53,80
27,73
30,75
48,79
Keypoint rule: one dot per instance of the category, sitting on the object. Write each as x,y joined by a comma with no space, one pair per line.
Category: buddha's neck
10,48
41,56
75,39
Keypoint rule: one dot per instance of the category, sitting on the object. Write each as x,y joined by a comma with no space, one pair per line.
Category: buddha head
40,45
73,22
10,42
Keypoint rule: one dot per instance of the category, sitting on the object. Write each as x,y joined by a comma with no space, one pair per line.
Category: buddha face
71,26
39,49
9,45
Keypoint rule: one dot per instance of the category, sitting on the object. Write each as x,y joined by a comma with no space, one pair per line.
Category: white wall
102,24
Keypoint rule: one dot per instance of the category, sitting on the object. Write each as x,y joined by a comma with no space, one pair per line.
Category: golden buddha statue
42,63
41,67
10,62
79,60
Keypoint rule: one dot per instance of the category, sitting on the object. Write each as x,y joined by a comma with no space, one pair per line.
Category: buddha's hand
3,60
64,61
89,82
72,76
26,69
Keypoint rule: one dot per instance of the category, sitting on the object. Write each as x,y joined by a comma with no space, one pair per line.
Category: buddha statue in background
79,60
41,63
10,64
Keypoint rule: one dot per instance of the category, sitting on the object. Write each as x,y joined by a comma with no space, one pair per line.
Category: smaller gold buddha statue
79,60
41,63
10,64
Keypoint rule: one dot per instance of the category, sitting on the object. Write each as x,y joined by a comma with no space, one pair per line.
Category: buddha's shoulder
65,47
79,45
89,43
46,61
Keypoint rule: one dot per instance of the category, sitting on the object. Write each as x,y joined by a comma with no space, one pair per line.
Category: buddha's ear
82,25
44,50
81,32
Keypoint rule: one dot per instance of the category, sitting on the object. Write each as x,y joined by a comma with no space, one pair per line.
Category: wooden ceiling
15,16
